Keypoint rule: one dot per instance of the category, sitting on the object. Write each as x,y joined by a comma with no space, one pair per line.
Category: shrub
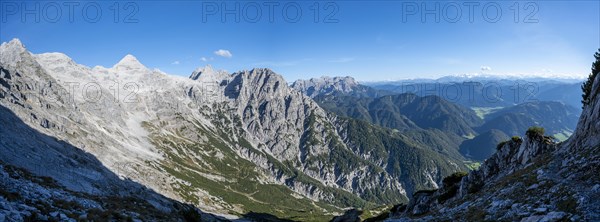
451,186
500,145
535,131
516,139
451,192
586,87
454,178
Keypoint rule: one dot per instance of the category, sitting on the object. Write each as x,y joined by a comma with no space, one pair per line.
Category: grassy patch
472,165
535,131
482,112
562,136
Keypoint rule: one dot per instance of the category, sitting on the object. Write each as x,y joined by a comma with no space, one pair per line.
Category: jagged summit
129,64
11,51
262,70
14,42
327,85
206,70
343,83
346,81
209,74
264,74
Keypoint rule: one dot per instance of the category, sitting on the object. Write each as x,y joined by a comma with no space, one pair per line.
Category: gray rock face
325,85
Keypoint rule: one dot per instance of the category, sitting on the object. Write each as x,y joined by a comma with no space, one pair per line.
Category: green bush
516,139
535,131
451,186
454,178
586,87
450,192
500,145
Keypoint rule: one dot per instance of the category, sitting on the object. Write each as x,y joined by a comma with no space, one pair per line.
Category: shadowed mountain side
482,146
555,117
404,111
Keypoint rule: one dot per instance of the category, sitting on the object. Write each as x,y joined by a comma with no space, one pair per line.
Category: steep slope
557,118
226,143
359,108
562,93
430,112
482,146
405,111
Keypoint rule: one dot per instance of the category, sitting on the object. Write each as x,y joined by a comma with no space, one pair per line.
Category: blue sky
370,40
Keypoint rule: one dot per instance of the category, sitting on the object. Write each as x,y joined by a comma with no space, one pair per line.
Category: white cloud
204,59
175,63
486,68
223,53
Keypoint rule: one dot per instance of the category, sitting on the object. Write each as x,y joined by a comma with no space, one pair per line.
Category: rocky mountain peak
265,72
14,43
129,64
206,70
256,84
208,74
326,84
11,52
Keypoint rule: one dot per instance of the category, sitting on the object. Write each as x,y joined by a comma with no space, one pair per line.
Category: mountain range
129,142
229,144
473,131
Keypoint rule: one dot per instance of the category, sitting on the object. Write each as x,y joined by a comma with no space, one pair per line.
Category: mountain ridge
190,139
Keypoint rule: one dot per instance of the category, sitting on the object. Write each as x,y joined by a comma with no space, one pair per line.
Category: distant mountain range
491,92
456,124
